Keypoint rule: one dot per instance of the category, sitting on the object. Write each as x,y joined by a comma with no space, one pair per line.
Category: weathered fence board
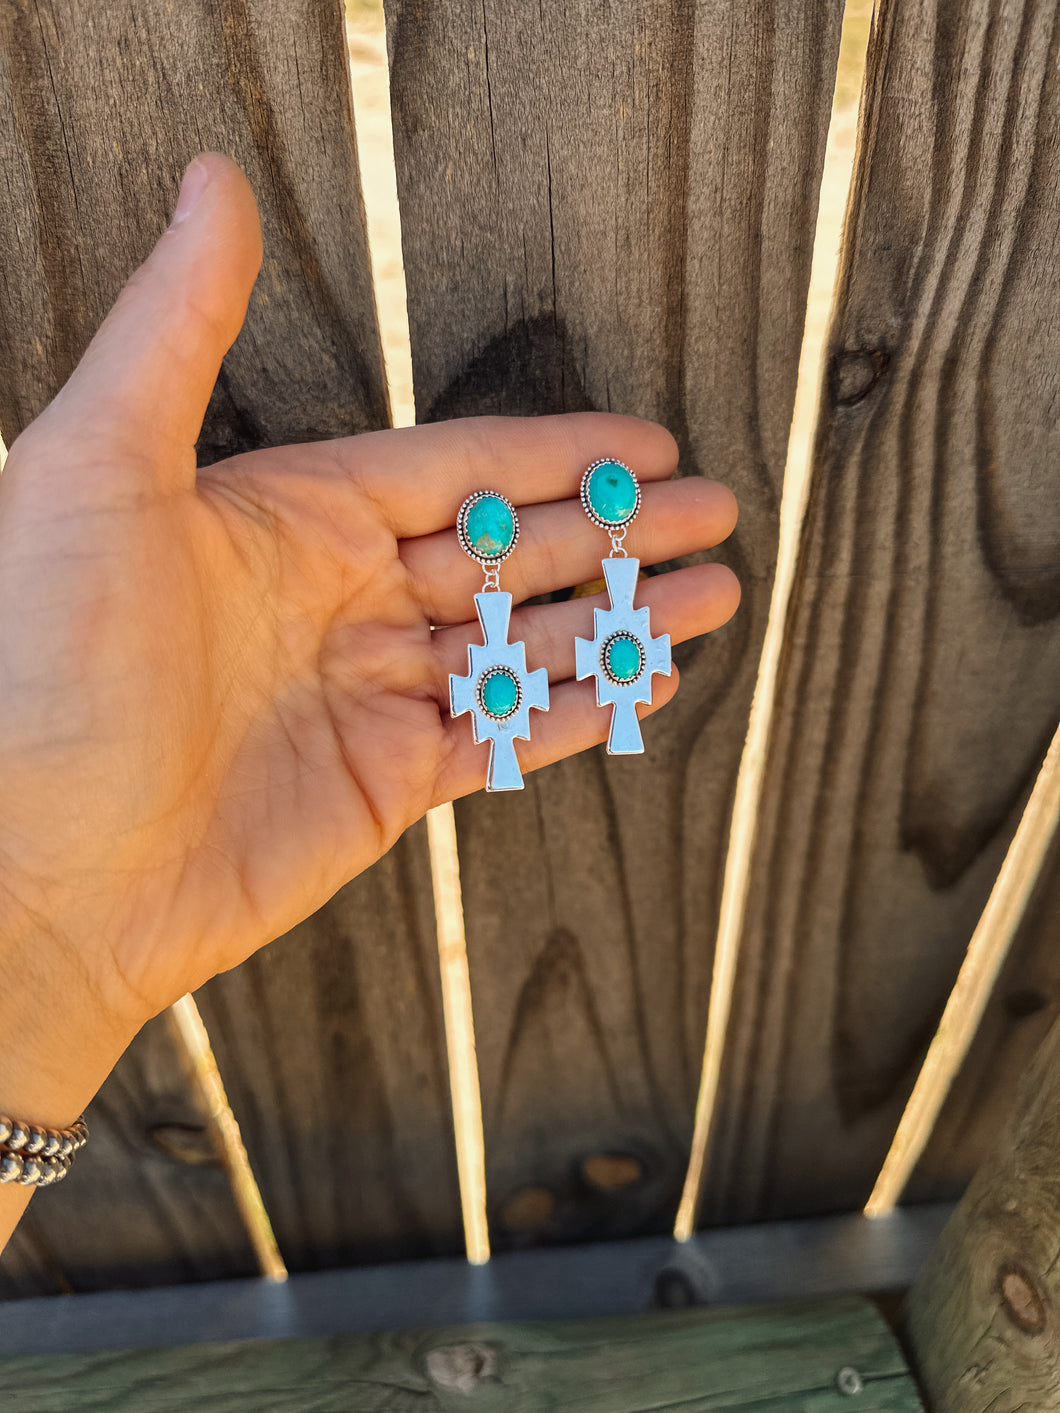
919,689
148,1203
797,1358
100,108
982,1319
1025,1003
612,207
333,1047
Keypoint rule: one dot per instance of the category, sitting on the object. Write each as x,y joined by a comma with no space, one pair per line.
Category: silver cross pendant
498,691
623,656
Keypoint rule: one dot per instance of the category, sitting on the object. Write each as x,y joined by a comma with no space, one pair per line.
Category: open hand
223,694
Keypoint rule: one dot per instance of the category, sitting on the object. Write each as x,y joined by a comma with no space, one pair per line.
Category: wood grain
982,1318
612,207
332,1048
1025,1003
147,1202
781,1358
919,689
100,108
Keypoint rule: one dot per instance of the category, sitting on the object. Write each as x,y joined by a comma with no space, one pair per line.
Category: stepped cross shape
498,659
622,621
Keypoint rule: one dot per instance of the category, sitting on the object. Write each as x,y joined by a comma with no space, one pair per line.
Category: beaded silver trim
611,526
487,561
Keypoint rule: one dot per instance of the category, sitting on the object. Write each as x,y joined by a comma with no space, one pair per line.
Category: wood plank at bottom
809,1357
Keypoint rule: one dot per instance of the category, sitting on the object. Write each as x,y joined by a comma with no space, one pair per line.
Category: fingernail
191,188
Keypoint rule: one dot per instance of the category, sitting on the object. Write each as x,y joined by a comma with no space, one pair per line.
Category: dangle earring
498,691
622,656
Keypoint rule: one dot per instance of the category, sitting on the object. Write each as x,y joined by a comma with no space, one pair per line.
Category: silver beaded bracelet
38,1157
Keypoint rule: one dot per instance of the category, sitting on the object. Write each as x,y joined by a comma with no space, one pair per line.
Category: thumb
145,379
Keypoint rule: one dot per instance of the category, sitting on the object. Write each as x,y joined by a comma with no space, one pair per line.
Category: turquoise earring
622,656
498,690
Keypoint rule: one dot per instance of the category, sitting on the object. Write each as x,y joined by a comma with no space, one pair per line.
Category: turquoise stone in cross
498,691
623,673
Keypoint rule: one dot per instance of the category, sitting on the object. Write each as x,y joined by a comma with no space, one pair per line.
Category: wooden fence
610,205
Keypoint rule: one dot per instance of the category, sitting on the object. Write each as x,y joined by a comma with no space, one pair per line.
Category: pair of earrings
621,657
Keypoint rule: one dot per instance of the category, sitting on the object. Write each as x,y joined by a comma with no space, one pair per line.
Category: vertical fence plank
919,688
333,1049
612,207
1025,1003
148,1203
100,108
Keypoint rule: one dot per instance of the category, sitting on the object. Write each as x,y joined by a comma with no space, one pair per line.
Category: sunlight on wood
975,981
459,1031
191,1035
835,188
370,78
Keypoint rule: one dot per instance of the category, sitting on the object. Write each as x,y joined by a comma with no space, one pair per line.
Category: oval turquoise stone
490,527
500,693
612,493
624,659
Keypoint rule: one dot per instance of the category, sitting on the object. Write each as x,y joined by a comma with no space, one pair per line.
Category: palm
226,693
277,640
352,630
333,709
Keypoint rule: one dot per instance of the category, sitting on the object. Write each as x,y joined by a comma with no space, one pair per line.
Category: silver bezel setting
494,609
605,669
480,684
609,525
461,529
624,737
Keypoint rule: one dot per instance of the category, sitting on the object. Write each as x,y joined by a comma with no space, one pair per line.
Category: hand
221,694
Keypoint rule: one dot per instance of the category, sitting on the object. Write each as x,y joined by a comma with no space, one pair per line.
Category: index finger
419,477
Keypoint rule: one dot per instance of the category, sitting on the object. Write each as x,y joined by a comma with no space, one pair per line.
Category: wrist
66,1034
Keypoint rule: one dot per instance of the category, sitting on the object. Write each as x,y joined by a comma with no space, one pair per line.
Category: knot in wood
1021,1301
191,1144
527,1209
849,1381
609,1172
853,373
461,1367
674,1291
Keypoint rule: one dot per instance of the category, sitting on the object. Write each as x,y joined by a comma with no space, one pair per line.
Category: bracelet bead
36,1156
32,1172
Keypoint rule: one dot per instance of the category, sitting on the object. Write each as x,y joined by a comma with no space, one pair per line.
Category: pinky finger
572,723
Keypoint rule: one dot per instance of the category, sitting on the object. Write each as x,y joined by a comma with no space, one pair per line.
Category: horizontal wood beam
771,1261
808,1355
